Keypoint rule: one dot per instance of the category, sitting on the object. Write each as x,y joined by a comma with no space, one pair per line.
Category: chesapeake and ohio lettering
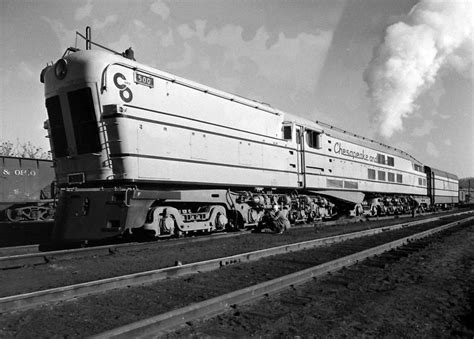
18,172
340,149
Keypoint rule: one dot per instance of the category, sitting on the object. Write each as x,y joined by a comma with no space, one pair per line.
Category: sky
400,72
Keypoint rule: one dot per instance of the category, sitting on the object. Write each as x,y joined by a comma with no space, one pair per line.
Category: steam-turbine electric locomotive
140,150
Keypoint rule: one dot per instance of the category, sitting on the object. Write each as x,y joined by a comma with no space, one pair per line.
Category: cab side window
313,139
287,133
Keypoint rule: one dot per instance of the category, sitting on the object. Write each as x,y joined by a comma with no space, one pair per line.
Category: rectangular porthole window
381,159
371,174
381,175
287,132
313,139
418,168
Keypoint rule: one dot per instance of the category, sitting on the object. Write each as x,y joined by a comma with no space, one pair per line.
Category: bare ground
428,294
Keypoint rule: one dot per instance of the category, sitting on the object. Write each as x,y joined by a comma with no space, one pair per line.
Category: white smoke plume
437,33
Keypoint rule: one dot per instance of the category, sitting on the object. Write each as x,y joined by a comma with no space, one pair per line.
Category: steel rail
18,256
28,300
39,258
18,250
163,323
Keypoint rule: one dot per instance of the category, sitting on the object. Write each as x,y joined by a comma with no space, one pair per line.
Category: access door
301,168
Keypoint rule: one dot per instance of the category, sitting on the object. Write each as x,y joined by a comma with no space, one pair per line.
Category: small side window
371,174
381,159
381,175
313,139
418,168
287,132
399,178
390,161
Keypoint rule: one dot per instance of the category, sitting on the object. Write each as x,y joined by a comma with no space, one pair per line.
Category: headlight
60,69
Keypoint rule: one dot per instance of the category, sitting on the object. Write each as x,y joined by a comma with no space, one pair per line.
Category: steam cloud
437,33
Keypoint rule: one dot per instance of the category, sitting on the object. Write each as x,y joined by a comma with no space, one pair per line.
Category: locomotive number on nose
144,80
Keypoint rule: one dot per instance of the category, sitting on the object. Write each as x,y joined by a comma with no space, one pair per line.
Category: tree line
23,150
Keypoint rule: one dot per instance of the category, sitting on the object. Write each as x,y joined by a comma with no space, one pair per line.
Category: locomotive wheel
359,210
312,216
221,221
292,216
44,213
373,211
12,215
252,215
236,222
176,231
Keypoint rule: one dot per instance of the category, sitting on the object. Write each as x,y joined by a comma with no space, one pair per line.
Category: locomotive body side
175,132
172,131
353,164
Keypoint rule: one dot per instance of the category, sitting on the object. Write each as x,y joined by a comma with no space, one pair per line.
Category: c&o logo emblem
121,83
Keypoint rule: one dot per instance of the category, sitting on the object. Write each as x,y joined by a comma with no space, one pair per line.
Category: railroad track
29,255
168,321
29,300
420,289
18,250
6,251
159,298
